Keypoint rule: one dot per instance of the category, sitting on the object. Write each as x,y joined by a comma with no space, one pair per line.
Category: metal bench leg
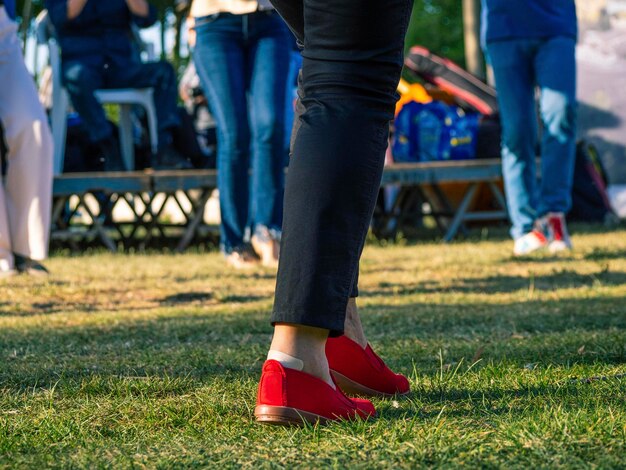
497,194
190,231
126,137
460,213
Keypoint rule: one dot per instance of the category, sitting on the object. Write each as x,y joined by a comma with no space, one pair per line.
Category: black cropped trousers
352,59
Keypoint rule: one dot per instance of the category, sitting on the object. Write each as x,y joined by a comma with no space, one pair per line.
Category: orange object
411,92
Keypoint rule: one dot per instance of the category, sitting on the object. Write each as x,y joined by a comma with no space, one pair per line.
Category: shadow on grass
503,284
114,301
604,254
431,403
186,298
205,345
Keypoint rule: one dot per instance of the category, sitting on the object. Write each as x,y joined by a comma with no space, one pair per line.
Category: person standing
26,189
352,59
531,45
241,54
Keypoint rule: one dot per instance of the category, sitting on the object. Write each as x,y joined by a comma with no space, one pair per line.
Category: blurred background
450,28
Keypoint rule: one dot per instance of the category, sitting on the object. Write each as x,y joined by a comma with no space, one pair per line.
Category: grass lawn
152,361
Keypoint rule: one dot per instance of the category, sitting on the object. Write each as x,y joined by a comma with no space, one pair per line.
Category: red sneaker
558,235
360,371
290,397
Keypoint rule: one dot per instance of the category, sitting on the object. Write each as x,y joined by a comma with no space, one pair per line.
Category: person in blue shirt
530,45
26,189
98,51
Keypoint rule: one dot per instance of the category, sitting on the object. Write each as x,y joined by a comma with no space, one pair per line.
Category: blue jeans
519,67
243,62
83,77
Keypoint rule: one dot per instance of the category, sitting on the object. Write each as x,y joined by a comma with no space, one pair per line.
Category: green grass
152,362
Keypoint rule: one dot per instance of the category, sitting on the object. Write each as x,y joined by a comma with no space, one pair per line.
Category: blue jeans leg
81,80
269,67
157,75
512,63
555,67
220,59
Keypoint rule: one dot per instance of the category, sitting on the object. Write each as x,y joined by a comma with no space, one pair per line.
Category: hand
75,8
138,7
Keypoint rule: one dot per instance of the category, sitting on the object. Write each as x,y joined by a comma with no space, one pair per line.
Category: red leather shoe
360,371
290,397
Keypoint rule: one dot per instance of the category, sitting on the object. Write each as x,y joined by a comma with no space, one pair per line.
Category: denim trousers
520,66
83,77
352,59
243,63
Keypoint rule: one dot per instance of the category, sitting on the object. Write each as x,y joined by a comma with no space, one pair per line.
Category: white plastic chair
124,97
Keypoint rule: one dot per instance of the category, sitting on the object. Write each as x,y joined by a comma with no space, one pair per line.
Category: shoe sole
529,252
558,247
351,387
286,416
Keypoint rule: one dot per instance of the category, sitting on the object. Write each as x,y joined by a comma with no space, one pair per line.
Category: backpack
4,150
590,201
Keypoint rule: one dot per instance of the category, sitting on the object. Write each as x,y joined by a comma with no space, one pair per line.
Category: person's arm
75,8
139,8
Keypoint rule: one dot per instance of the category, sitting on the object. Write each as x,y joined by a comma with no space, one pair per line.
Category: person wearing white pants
26,188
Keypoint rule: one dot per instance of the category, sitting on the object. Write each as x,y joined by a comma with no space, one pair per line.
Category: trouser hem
333,322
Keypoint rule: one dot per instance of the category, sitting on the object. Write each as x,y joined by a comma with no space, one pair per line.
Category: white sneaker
556,232
530,243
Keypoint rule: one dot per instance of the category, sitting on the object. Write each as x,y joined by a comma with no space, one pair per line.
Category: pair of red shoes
288,396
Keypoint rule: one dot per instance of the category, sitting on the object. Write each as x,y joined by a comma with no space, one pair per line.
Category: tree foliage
438,25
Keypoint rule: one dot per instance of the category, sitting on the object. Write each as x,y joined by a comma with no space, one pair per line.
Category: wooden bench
430,182
84,202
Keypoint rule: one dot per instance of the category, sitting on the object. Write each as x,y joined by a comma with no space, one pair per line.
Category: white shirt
201,8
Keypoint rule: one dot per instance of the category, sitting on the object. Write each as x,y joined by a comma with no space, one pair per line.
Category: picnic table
84,203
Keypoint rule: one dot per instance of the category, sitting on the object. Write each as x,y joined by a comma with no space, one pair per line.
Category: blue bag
434,131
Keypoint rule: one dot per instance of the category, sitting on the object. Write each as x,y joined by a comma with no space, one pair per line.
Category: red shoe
360,371
290,397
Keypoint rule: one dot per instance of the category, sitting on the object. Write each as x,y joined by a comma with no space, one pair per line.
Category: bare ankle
306,344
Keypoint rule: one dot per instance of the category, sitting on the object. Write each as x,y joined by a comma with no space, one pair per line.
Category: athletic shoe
556,228
530,243
291,397
360,371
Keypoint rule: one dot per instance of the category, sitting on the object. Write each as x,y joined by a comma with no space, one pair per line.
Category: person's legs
81,80
25,200
157,75
268,64
220,61
512,63
268,67
555,66
352,60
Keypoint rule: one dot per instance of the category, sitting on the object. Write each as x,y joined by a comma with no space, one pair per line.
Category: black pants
352,58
